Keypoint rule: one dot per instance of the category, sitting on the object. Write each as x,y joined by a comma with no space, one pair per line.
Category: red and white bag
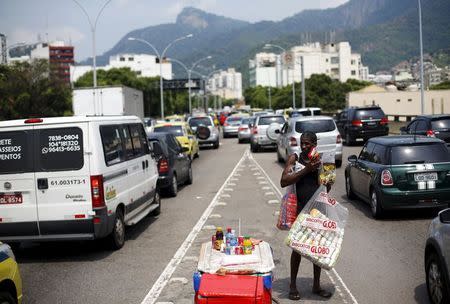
318,231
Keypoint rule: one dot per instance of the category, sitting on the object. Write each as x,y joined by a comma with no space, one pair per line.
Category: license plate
371,123
425,177
7,199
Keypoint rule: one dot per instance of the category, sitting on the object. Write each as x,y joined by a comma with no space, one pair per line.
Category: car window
157,148
316,126
196,121
175,130
364,114
420,154
138,147
267,120
173,144
422,126
366,152
412,125
112,144
16,152
378,155
440,124
60,149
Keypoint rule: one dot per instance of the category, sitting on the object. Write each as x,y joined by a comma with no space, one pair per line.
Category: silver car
259,138
244,129
328,137
437,259
207,121
231,126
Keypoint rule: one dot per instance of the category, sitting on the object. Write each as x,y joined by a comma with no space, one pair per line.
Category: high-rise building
226,84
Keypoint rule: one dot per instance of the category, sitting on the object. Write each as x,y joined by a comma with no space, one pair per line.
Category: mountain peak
193,17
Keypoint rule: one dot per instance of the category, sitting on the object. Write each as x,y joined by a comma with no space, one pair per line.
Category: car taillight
255,130
225,124
386,178
430,133
357,123
98,199
163,166
384,121
293,142
242,128
339,139
33,120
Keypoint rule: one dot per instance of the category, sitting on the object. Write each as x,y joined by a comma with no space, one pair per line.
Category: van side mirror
352,158
444,216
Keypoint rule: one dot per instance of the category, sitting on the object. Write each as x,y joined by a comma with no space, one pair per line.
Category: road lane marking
183,281
272,202
266,188
190,258
228,189
164,277
209,227
215,216
341,281
221,204
269,193
231,184
224,195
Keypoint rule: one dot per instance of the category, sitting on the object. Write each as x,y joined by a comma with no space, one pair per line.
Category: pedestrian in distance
306,183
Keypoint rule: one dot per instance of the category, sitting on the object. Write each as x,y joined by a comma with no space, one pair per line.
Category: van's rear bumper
64,230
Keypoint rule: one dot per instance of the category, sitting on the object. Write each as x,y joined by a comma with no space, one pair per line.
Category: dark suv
364,122
430,125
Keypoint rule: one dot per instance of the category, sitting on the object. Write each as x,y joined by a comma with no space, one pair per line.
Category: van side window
16,152
112,144
137,142
127,140
60,149
144,139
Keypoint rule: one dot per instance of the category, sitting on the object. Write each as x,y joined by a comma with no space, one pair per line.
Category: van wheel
173,189
117,236
157,200
6,298
190,178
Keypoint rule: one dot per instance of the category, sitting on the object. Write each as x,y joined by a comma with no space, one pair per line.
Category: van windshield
316,126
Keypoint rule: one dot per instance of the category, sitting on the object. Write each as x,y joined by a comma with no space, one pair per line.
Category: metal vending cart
222,278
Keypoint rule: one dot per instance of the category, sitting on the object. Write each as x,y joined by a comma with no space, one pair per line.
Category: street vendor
306,183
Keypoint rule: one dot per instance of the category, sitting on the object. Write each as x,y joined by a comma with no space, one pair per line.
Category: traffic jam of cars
131,166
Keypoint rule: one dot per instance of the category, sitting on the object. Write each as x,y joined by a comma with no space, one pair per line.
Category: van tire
157,200
117,236
7,298
173,188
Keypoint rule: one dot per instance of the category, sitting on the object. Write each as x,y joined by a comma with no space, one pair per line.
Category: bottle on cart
228,237
219,238
247,245
234,240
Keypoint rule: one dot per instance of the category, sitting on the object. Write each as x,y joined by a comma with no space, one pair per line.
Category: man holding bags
303,171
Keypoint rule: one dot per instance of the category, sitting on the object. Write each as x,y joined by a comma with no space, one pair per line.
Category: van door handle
146,163
42,183
143,165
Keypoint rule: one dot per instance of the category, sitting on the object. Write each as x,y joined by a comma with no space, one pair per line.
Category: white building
144,65
265,70
334,59
226,84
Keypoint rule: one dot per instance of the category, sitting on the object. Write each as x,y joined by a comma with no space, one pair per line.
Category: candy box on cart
222,278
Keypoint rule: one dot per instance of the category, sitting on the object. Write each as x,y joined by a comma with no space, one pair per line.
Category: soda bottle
219,238
247,245
228,237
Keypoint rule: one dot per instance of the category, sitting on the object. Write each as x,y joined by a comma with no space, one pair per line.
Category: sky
30,20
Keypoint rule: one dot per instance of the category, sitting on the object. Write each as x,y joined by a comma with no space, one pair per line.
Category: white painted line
276,213
269,193
237,174
266,188
228,189
190,259
234,179
263,183
215,216
281,195
221,204
260,177
183,281
209,227
224,195
231,184
257,173
164,303
163,278
273,202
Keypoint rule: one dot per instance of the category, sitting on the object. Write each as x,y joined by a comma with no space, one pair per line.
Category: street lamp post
93,28
269,45
160,58
422,97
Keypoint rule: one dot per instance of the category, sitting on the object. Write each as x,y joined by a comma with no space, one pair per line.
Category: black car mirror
444,216
352,158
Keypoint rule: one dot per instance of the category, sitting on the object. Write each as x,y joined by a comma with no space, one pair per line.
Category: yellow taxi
184,135
10,280
174,118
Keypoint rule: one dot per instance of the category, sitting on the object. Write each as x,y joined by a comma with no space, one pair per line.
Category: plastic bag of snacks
318,231
327,173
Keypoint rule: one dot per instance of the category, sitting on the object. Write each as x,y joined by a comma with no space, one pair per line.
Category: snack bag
288,207
318,231
327,172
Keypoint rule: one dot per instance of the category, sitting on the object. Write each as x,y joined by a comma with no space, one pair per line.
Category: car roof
307,118
67,119
434,117
171,124
404,140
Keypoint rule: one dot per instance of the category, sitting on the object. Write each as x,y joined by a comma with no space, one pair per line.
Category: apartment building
226,84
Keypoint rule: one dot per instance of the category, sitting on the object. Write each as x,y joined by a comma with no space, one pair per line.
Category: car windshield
234,120
175,130
369,114
420,154
316,126
195,122
440,124
267,120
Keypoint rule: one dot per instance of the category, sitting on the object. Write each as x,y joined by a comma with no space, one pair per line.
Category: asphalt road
381,261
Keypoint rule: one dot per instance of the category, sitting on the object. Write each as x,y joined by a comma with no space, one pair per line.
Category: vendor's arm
288,178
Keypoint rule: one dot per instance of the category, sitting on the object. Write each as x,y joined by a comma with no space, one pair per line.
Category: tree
30,90
441,86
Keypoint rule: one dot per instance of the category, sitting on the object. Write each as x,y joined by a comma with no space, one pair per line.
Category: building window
398,100
130,58
122,59
334,60
353,62
409,100
353,72
326,60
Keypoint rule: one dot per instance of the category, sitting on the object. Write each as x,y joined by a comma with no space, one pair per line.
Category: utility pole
303,82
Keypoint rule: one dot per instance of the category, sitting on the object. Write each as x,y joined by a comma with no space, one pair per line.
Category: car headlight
5,249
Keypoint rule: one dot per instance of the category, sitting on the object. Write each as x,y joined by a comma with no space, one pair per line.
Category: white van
75,178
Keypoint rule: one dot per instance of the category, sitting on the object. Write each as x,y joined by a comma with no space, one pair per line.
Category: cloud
65,33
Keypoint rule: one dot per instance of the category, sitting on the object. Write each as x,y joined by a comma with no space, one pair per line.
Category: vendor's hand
313,165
